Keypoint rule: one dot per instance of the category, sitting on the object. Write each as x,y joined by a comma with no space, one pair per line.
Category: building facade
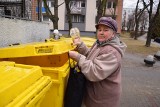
83,13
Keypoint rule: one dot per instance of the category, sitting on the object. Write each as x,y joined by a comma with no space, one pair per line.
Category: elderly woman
101,65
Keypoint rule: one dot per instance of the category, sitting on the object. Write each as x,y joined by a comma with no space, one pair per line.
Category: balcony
10,2
78,10
110,11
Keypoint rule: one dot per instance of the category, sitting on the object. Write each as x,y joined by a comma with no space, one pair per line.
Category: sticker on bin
44,49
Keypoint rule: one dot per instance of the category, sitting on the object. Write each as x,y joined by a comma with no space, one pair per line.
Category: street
140,84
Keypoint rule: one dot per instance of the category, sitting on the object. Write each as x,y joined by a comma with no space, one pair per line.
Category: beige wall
61,15
91,12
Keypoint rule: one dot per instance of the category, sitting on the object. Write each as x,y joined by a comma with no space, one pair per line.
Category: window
46,18
97,3
114,4
49,3
77,4
78,18
109,5
42,4
82,19
82,4
52,3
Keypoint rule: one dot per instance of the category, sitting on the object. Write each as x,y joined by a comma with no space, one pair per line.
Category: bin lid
15,78
37,49
88,41
33,94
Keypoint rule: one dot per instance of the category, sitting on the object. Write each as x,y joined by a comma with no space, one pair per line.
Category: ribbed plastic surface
59,76
37,49
15,78
33,95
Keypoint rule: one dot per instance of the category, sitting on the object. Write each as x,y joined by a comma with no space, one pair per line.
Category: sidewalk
140,84
144,37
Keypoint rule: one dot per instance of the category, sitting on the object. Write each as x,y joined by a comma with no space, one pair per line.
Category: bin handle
70,65
14,44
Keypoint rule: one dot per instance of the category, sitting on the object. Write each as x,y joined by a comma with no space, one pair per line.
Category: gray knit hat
108,21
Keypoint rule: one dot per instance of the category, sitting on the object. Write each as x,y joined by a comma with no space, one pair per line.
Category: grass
137,46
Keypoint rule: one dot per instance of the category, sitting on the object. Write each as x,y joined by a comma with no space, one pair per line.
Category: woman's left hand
74,55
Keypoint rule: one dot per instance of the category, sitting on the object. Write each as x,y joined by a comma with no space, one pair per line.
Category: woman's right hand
75,34
76,41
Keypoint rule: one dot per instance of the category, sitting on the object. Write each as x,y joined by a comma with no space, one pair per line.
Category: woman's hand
74,55
76,41
75,34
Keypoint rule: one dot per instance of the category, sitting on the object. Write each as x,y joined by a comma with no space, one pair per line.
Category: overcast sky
129,3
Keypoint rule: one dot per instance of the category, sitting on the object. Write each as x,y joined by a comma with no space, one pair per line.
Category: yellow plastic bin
88,41
59,76
49,54
52,57
22,85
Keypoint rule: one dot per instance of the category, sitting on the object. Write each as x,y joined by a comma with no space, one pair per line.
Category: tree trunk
68,15
136,30
138,14
136,21
104,4
54,18
55,22
99,11
148,41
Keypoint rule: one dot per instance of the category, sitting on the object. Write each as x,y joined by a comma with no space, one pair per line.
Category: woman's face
104,33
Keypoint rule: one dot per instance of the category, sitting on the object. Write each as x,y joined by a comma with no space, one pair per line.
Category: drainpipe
40,10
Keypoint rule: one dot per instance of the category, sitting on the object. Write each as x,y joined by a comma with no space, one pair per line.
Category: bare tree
138,14
130,23
151,21
113,10
156,21
54,17
124,21
67,2
143,22
101,8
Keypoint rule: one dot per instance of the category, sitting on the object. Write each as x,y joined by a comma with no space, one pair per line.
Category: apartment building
83,12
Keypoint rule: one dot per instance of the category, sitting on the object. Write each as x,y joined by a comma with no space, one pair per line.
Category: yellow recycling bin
22,85
88,41
59,75
53,59
49,54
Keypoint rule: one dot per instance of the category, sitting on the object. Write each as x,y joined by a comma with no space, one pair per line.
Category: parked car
157,39
153,36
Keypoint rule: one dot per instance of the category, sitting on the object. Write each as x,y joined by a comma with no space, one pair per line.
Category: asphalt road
140,84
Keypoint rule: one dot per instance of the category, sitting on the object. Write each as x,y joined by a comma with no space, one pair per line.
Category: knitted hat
108,21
